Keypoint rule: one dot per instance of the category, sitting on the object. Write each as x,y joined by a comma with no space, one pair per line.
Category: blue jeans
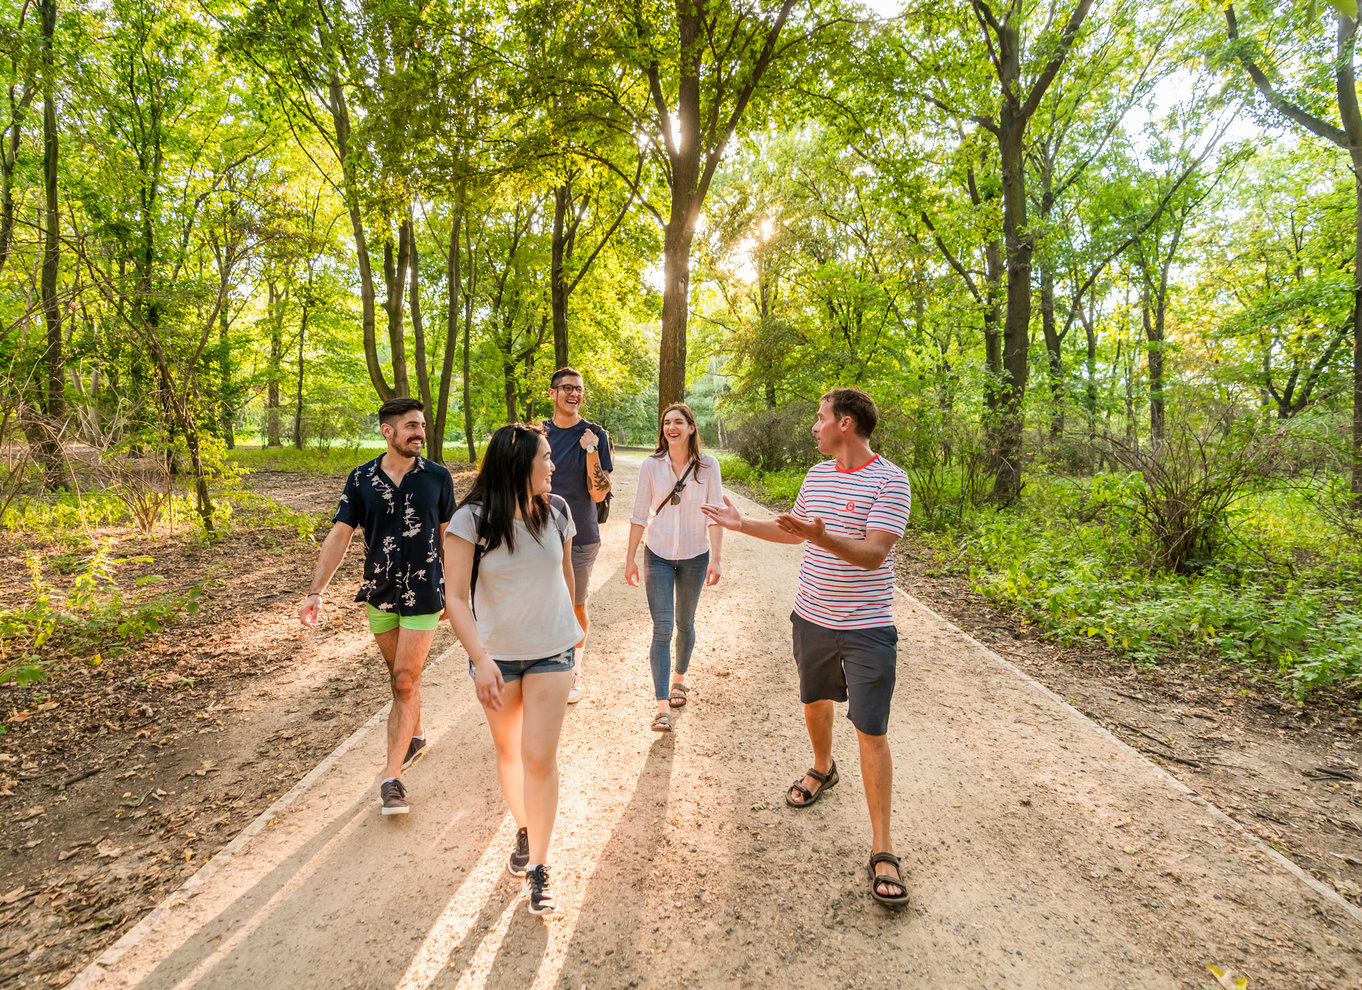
673,588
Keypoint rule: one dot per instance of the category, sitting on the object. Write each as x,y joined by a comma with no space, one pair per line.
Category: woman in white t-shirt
508,578
683,548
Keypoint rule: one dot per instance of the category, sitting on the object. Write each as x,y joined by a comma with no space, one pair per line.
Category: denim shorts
514,670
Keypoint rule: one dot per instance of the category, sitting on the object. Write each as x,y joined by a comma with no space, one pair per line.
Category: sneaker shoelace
539,886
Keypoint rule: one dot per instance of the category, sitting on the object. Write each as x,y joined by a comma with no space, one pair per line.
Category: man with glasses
581,475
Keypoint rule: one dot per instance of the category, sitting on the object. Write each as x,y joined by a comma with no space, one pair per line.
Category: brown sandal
662,723
680,694
825,781
892,900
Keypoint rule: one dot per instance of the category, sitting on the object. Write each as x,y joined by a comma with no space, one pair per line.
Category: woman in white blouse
683,548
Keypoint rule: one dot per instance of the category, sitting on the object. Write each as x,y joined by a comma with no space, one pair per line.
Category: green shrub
774,439
94,614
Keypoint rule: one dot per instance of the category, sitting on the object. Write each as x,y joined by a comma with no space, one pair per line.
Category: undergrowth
93,615
1280,596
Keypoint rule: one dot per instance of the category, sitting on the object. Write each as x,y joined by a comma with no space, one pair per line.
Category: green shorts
381,621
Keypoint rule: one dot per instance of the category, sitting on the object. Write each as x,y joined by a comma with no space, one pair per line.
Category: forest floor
118,781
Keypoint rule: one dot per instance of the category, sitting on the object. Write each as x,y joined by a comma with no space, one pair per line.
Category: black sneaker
537,888
520,856
394,797
415,748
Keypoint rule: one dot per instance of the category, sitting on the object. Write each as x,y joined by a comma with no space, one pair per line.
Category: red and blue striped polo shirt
832,592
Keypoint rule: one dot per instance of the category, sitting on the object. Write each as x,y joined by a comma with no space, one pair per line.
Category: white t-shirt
832,592
521,602
677,532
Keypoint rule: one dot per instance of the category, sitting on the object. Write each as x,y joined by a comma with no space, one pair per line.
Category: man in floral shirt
403,503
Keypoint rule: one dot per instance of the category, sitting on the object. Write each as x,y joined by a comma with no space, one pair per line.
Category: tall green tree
1335,117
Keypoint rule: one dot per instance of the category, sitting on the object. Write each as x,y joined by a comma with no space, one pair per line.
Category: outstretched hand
726,515
810,529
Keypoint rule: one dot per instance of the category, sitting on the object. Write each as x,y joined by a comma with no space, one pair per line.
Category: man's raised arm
728,516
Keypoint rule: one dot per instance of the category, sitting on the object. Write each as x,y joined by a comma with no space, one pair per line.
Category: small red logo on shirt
851,506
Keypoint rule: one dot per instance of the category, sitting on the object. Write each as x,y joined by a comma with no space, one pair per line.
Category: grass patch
333,461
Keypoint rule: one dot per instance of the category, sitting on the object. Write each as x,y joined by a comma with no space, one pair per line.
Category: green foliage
67,512
773,439
782,487
94,614
1281,601
1068,563
335,461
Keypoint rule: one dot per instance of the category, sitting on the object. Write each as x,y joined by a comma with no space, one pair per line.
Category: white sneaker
575,692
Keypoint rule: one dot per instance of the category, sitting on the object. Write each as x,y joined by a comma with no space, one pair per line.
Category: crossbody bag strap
676,488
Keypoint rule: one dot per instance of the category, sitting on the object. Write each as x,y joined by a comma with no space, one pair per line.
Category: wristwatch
592,448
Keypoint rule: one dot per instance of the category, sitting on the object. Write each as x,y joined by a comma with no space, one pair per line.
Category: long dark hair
692,445
503,485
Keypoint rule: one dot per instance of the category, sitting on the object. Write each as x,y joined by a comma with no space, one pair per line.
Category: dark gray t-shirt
521,603
569,475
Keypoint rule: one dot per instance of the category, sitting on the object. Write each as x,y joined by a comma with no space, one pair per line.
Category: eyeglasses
571,389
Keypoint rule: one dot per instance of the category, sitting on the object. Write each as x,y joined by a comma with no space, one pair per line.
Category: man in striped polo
850,512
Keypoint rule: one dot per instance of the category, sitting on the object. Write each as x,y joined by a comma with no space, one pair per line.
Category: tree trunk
671,369
1356,154
418,330
467,364
453,290
55,406
1090,365
508,367
298,390
340,117
1007,450
1016,108
1054,356
278,304
558,293
395,272
18,110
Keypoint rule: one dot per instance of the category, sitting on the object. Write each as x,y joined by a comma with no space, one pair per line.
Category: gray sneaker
415,748
394,797
520,855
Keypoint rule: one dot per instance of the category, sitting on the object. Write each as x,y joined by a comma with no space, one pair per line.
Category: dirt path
1041,851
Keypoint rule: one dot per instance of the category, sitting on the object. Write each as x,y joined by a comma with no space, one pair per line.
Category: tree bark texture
55,400
695,152
278,305
1016,108
452,292
418,328
561,250
340,117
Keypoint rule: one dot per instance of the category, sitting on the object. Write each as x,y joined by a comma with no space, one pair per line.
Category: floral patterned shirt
401,526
